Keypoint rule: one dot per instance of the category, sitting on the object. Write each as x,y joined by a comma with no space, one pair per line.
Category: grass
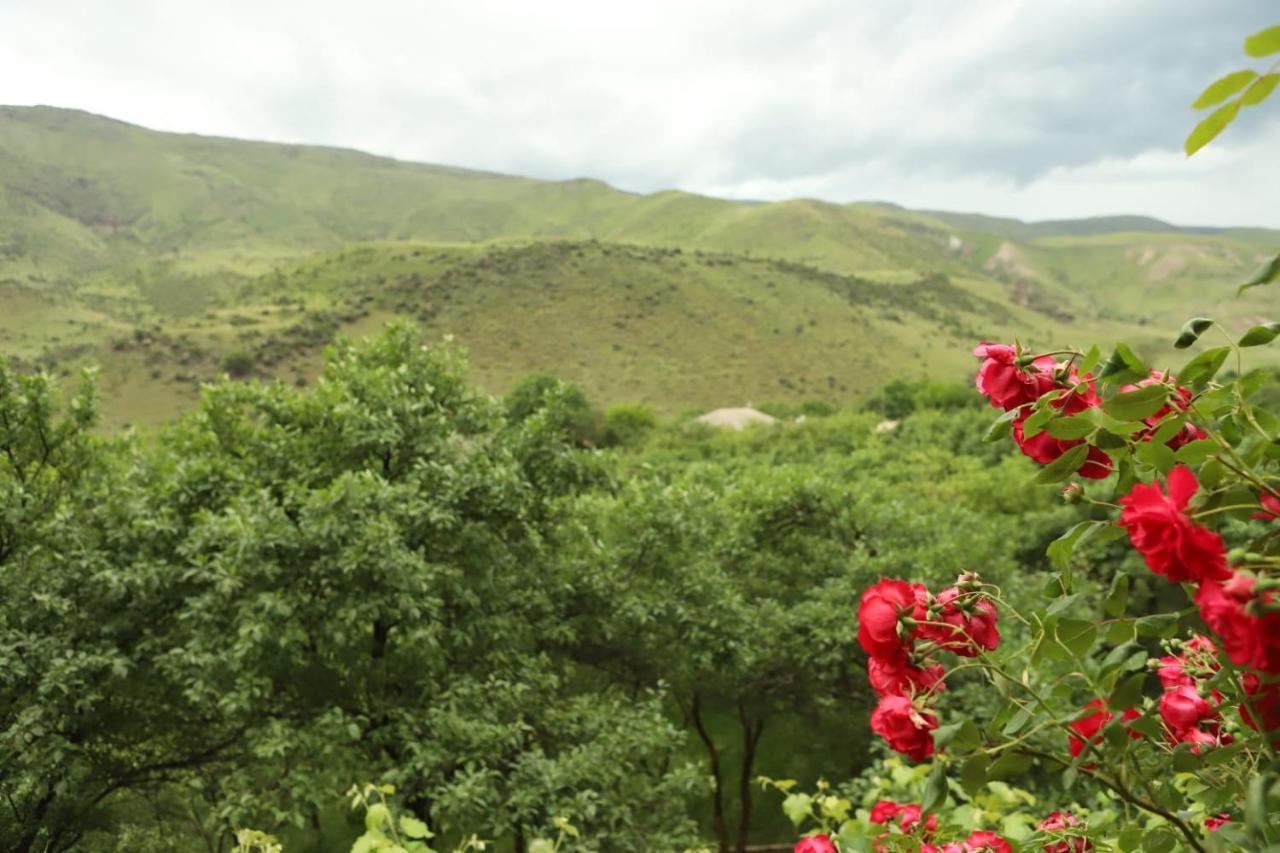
157,255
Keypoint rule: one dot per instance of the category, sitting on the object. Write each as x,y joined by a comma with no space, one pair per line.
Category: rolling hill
160,255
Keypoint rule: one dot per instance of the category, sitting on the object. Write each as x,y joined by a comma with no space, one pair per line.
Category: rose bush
1180,746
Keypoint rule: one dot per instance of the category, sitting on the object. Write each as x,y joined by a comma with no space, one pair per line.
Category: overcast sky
1036,109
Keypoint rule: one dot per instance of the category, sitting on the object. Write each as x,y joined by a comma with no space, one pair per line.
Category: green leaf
1123,366
1017,722
797,807
413,828
1159,840
1260,90
935,789
1191,331
1002,426
1266,274
1157,455
1204,366
1035,422
1008,765
1259,335
1074,427
1207,130
1224,87
1118,598
973,773
1090,360
1076,635
1184,760
377,815
1137,404
1196,452
1263,43
1128,692
1157,624
1064,466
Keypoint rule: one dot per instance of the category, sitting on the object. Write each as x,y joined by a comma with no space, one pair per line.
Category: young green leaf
1191,331
1224,87
1204,366
1207,130
1260,90
1259,335
1266,274
1263,43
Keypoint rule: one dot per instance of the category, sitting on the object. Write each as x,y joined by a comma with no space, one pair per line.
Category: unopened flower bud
1073,493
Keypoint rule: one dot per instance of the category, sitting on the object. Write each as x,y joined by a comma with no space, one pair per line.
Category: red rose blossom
911,816
986,840
1044,448
1215,822
1233,610
1179,400
885,811
1183,708
1006,385
969,623
1059,823
1264,698
907,729
1270,508
900,678
815,844
1171,543
879,618
1089,728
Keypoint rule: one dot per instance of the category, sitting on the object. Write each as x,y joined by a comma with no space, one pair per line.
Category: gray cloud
1011,107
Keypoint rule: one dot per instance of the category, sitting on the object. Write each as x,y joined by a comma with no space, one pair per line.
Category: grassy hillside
168,258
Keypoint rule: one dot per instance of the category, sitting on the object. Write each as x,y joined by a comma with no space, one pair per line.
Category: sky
1041,109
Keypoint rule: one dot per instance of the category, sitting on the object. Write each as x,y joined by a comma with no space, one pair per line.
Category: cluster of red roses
913,823
1014,382
1060,826
900,626
1188,707
1245,616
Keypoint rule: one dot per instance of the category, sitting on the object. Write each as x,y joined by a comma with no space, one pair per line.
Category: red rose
1172,672
1089,728
1059,823
879,618
985,840
1199,659
1183,708
1264,698
906,728
815,844
1171,543
900,678
911,816
1215,822
1044,448
1180,401
885,811
968,623
1233,610
1006,385
1270,508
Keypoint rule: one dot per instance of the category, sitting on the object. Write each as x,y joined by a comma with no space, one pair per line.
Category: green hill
160,255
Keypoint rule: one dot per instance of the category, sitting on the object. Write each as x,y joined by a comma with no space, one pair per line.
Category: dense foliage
387,576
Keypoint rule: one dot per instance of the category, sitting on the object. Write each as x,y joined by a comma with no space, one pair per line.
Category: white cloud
1047,109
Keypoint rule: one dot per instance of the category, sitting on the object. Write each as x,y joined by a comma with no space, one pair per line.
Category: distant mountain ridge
138,249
